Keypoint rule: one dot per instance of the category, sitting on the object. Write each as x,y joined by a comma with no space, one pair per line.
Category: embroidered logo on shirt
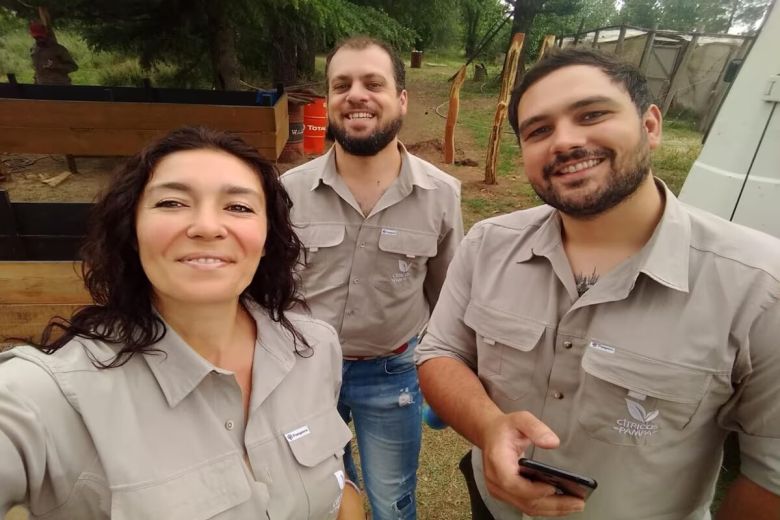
294,435
389,232
403,271
641,426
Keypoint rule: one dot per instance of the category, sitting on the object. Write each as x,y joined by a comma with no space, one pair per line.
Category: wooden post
674,86
621,38
548,42
579,31
510,70
452,116
595,43
644,62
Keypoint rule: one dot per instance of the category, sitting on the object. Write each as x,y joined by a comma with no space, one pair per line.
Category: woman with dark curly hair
188,390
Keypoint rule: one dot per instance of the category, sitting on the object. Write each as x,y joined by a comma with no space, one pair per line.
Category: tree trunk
222,48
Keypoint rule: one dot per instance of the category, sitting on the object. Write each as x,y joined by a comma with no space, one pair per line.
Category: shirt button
356,281
567,344
557,395
229,425
362,244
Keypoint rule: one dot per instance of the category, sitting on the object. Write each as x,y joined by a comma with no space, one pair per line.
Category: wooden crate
101,128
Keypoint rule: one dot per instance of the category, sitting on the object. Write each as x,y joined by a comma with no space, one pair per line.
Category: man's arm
746,499
447,358
754,412
452,235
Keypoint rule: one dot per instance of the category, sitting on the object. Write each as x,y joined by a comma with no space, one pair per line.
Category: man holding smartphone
380,227
613,332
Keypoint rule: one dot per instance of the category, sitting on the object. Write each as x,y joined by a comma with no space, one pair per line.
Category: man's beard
369,145
623,181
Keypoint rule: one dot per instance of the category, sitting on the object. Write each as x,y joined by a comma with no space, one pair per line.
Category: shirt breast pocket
506,349
403,256
631,400
197,493
326,263
319,456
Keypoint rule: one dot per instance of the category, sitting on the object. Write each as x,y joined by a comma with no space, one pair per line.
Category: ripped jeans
382,396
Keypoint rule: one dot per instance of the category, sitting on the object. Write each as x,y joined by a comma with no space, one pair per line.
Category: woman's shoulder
312,328
78,354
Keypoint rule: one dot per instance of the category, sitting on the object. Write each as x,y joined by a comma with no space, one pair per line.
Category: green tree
433,21
273,38
478,17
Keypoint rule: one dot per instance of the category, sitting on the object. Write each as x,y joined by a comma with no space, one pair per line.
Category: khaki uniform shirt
164,437
376,277
642,376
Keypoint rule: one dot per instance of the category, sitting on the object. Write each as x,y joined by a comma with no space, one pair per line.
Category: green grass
95,67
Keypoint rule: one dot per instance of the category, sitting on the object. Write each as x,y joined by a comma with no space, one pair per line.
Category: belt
399,350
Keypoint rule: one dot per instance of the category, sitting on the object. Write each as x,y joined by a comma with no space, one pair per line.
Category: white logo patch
403,271
294,435
642,425
389,232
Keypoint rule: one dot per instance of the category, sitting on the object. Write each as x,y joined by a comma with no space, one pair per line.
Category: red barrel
294,147
315,124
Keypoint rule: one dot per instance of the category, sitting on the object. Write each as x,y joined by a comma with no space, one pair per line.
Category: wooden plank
51,218
282,120
105,142
676,78
83,141
50,114
41,283
510,70
28,321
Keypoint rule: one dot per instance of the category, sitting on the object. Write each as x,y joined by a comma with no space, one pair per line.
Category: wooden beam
42,282
620,40
674,86
510,70
644,62
28,321
548,42
452,116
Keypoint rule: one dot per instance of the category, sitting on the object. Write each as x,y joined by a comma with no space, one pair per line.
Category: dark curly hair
112,271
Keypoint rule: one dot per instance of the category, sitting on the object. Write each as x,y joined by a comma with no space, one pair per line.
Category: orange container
315,124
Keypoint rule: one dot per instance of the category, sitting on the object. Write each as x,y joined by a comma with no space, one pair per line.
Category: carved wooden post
510,70
548,42
452,116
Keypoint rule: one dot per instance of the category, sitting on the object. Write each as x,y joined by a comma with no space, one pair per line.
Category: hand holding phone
566,482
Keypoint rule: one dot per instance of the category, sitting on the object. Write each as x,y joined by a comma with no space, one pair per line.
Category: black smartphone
566,482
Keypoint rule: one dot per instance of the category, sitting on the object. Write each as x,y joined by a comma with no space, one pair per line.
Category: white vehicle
737,174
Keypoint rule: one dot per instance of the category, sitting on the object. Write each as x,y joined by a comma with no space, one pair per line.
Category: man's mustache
578,154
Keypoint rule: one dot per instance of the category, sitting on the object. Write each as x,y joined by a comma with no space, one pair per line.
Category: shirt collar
178,369
664,258
410,175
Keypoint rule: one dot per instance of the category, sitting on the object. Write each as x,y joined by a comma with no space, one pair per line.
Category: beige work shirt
164,437
641,377
376,277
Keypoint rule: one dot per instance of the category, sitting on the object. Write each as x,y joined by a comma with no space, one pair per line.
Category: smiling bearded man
380,227
613,332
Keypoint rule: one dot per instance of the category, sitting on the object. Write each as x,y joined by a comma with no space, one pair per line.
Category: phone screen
566,482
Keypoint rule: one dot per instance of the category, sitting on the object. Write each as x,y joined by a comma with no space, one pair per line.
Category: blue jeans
382,396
